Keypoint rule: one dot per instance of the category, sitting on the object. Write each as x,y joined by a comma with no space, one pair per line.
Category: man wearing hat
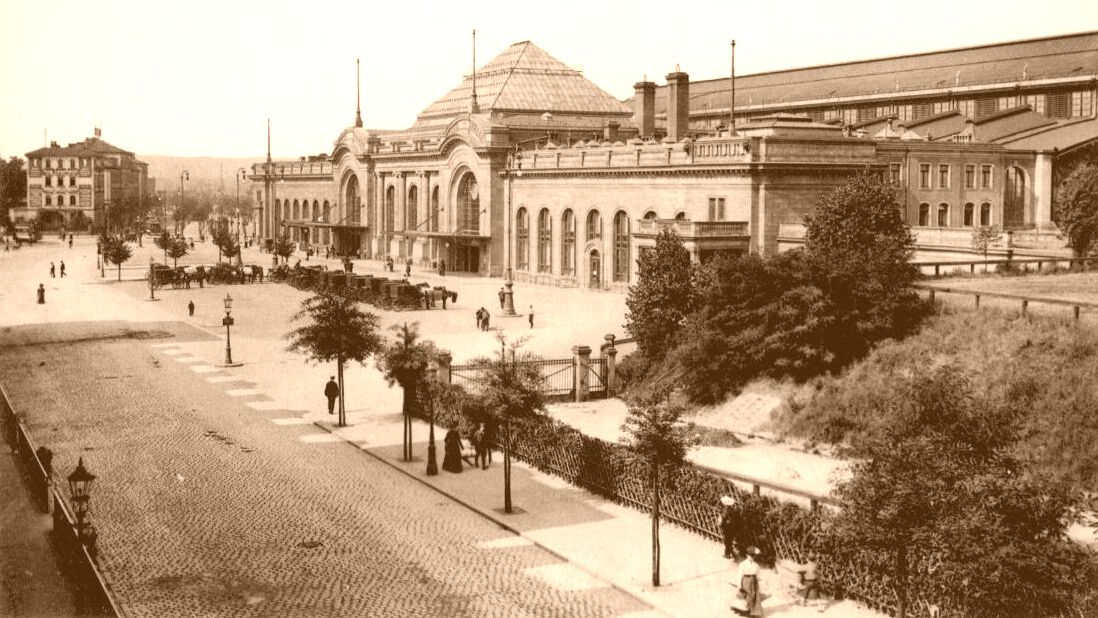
331,391
730,525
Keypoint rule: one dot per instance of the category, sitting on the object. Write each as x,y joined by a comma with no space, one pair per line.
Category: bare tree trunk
342,393
901,582
406,410
655,524
507,466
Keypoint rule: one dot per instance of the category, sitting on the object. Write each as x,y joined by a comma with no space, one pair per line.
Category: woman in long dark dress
452,461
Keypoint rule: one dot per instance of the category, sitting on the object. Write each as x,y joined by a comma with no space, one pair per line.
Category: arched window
72,200
316,211
72,181
325,212
970,213
390,208
278,207
1014,198
545,242
943,215
924,214
650,215
594,225
468,219
297,210
433,225
49,200
680,216
621,247
413,207
568,243
985,214
522,243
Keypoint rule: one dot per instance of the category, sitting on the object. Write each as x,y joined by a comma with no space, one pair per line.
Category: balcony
695,229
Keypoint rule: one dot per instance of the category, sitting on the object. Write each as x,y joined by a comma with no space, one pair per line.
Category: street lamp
80,482
227,321
182,197
432,384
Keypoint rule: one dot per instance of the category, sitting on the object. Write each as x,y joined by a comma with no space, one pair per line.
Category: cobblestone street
207,507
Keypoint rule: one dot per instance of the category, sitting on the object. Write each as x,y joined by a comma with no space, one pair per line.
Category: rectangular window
985,176
716,209
970,176
904,112
943,215
943,176
49,181
1081,104
967,107
921,110
47,164
894,173
850,116
986,107
1059,105
1037,102
924,176
72,181
831,114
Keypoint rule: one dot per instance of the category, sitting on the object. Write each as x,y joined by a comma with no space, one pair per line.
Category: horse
437,293
256,273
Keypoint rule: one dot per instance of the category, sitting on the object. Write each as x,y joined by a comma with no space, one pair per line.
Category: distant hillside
207,174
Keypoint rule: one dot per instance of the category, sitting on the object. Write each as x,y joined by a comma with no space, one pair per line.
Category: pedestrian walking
486,320
531,316
748,600
408,269
442,268
451,462
501,295
480,443
810,580
190,308
53,271
62,268
730,524
70,241
331,391
480,318
41,294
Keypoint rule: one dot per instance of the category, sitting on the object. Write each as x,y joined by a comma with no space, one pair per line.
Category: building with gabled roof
74,187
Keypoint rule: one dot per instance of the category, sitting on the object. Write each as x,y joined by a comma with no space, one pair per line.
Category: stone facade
74,186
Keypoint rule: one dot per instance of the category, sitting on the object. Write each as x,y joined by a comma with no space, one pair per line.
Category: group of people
53,270
452,449
483,318
748,597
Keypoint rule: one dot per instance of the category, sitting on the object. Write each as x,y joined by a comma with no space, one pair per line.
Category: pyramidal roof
526,79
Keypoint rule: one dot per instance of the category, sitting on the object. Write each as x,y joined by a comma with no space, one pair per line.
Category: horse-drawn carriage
438,293
161,275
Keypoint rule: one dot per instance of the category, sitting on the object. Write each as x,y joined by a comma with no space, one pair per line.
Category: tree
283,247
337,330
662,296
511,396
13,187
176,249
985,236
659,440
404,362
116,251
164,241
1077,212
942,482
862,250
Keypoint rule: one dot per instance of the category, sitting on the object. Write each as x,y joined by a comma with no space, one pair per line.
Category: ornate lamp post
80,482
227,321
432,384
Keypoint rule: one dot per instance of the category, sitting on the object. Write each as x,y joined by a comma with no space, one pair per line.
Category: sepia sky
201,77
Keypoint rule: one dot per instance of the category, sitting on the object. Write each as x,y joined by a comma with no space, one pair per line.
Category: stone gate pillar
445,359
610,378
581,365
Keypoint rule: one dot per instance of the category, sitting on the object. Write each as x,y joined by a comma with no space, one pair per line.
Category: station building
75,186
527,167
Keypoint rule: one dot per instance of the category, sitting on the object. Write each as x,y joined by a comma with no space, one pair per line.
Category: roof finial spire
268,140
358,98
732,98
473,107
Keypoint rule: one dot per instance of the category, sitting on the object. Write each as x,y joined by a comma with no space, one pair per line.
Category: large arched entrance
465,252
348,238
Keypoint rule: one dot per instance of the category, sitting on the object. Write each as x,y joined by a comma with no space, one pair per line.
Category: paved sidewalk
610,543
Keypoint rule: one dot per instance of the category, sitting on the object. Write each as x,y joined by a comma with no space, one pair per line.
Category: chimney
678,105
610,132
644,108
